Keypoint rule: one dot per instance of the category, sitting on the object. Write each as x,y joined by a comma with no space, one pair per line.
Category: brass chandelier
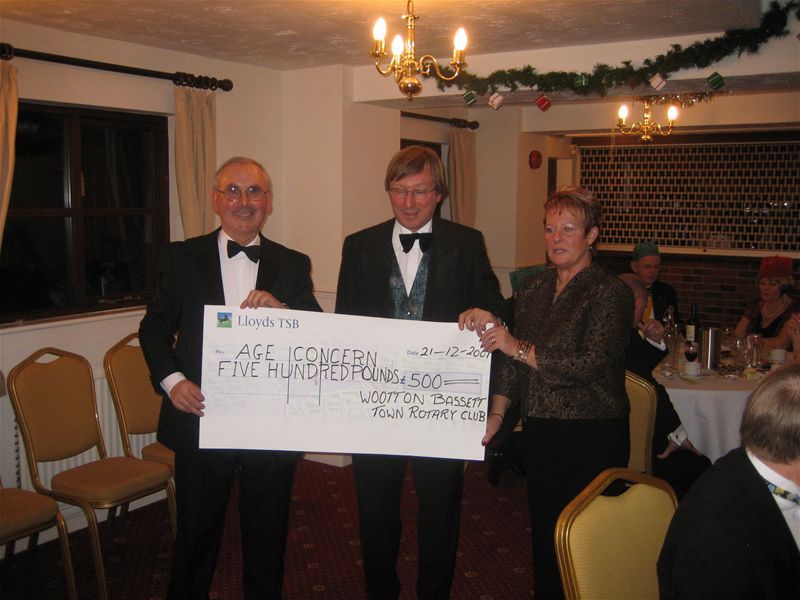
646,127
404,65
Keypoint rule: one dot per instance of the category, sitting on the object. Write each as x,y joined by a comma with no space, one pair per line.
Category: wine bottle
692,325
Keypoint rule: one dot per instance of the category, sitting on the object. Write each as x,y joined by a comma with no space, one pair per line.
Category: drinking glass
668,363
726,358
752,349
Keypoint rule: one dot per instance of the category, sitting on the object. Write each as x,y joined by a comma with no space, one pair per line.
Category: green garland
699,55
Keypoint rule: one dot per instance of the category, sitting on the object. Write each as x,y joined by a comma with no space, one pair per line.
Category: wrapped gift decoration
581,81
543,102
496,100
470,97
657,81
716,81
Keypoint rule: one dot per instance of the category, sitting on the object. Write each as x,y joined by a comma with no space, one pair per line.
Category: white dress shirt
789,510
238,279
408,261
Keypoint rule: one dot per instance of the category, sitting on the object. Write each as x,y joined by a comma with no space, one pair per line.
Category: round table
710,409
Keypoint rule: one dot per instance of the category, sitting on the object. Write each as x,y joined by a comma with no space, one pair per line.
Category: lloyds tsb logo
224,319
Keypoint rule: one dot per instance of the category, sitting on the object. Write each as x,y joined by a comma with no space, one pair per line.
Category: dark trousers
561,458
379,484
203,480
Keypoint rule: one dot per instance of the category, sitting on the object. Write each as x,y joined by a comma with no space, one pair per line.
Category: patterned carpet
323,558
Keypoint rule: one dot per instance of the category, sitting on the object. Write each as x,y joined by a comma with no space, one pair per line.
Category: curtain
462,168
8,135
195,157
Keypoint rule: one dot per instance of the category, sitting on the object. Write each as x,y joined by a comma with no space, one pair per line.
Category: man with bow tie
419,267
234,265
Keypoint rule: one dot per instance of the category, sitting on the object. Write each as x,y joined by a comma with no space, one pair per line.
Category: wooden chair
25,514
642,396
607,546
136,402
54,402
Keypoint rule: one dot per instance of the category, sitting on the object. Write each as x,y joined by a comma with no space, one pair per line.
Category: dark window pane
117,167
117,255
88,212
39,173
34,270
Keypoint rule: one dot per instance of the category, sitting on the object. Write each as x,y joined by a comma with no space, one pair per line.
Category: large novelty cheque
317,382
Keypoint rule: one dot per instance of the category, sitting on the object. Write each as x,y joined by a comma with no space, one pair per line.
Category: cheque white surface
318,382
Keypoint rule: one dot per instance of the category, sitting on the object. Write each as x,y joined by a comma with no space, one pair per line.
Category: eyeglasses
401,193
233,193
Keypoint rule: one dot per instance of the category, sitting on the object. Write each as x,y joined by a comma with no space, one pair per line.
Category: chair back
137,403
642,396
52,392
607,546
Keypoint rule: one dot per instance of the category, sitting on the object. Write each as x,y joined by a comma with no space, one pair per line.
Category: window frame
76,214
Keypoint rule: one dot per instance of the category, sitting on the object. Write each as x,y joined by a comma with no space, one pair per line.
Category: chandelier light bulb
379,30
460,39
397,45
623,113
672,113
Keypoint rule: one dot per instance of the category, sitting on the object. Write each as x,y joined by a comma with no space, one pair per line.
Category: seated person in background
775,305
675,459
790,335
736,535
646,264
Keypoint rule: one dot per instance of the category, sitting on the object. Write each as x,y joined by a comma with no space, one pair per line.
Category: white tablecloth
710,409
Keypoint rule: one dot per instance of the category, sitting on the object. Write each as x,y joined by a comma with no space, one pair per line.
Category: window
88,212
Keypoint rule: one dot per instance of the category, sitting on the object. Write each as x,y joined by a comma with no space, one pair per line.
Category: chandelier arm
428,61
389,68
632,130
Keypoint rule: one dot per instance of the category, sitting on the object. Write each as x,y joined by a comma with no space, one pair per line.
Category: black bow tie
252,252
407,241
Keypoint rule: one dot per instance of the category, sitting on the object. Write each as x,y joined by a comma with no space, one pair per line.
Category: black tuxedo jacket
663,296
189,278
728,539
459,274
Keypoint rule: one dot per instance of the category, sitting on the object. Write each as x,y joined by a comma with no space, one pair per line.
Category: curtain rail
7,52
454,122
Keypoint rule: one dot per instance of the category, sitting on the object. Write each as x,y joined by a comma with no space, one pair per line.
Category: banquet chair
52,393
136,402
25,514
607,546
642,421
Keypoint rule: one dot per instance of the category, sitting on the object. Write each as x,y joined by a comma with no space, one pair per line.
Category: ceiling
292,34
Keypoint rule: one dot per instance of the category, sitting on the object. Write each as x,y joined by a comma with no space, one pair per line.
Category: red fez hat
775,266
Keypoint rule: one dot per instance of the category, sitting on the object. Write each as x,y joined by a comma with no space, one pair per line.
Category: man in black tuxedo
234,265
646,264
736,534
674,459
415,266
